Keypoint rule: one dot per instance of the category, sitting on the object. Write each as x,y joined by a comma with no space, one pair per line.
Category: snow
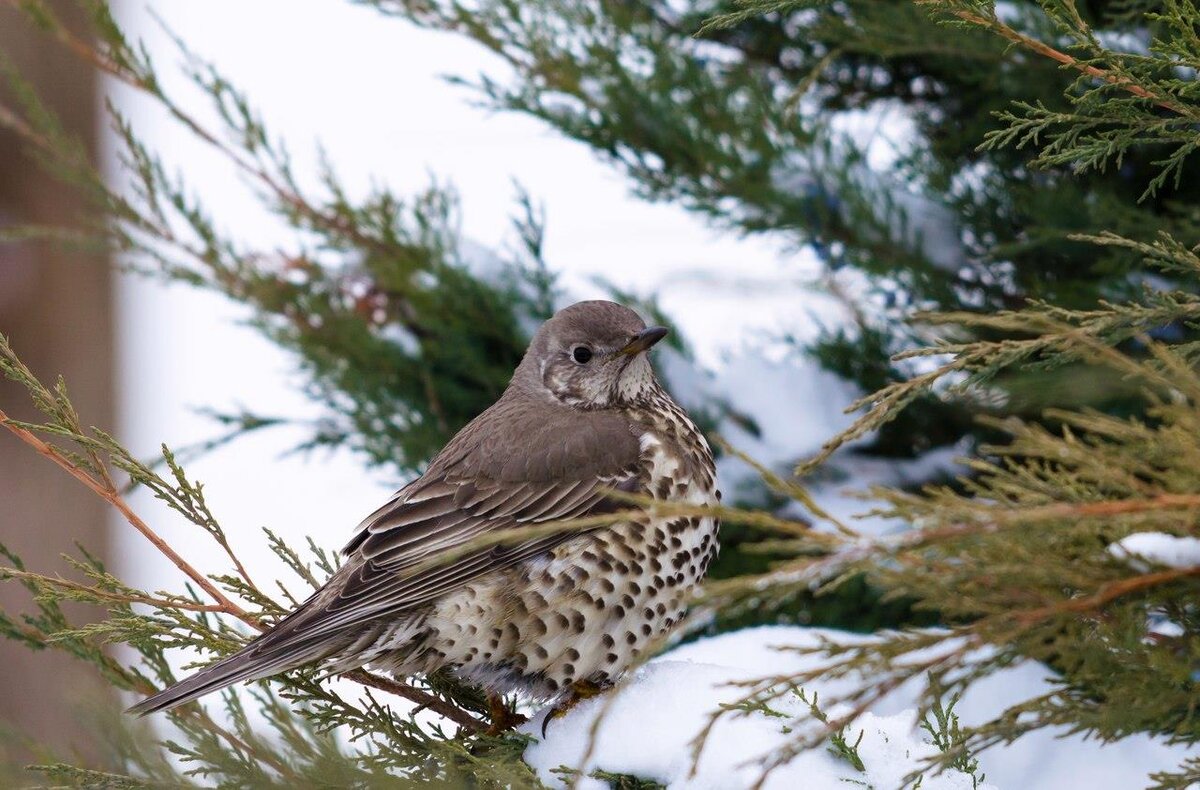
874,140
1143,549
796,404
641,734
780,412
646,728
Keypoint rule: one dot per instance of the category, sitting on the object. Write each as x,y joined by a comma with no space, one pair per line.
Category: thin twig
114,498
1018,515
423,698
116,597
1047,51
1106,594
223,604
1116,507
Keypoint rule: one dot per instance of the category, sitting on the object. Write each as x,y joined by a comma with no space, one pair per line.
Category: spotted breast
587,609
550,614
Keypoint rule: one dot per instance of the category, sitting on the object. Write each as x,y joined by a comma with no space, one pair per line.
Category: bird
583,428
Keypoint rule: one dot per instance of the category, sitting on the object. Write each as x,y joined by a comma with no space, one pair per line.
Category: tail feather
235,669
274,652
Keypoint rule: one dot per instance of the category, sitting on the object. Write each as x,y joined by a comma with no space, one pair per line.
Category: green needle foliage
838,745
300,730
1059,330
751,114
946,733
394,332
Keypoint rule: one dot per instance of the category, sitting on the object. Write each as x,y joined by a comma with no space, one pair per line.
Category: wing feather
387,581
523,461
557,468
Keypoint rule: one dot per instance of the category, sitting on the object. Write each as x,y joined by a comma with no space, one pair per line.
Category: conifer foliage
1051,233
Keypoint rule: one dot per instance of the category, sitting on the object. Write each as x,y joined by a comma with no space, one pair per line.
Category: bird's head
591,355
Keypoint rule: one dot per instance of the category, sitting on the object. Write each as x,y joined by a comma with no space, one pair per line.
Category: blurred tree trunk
56,306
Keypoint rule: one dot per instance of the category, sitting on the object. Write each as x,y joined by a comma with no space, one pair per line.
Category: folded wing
423,543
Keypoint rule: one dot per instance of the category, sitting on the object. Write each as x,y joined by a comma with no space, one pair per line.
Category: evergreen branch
114,498
862,699
1115,507
947,735
1186,777
127,70
1105,595
98,594
840,747
995,25
403,342
223,604
59,407
191,716
244,748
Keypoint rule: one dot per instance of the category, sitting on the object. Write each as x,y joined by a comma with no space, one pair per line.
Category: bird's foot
576,693
503,718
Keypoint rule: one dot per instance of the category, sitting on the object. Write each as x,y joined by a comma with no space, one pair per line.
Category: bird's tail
284,647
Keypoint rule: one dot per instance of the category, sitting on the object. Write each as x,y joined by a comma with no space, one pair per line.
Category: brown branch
1047,51
1115,507
237,563
114,498
1106,594
804,571
224,605
422,698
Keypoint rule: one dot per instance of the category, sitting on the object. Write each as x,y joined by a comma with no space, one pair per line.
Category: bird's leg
502,717
576,693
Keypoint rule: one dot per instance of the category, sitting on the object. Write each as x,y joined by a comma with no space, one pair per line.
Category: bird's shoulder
521,461
526,438
669,437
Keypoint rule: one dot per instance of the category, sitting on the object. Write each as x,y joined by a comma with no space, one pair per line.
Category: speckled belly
584,611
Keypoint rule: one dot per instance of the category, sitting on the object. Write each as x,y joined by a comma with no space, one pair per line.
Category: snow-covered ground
647,728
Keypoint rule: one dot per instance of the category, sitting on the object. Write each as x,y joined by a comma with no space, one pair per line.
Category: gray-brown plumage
582,416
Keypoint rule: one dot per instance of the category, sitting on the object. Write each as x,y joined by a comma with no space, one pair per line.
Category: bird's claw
502,717
578,691
557,712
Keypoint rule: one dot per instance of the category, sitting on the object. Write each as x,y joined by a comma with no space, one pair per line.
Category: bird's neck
656,409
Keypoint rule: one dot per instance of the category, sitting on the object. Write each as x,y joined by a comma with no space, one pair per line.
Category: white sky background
369,89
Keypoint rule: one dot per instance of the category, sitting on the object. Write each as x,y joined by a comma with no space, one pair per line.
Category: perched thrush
557,615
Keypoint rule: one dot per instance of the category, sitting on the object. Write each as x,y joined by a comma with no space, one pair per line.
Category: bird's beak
643,340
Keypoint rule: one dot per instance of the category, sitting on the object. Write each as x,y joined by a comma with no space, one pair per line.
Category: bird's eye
581,354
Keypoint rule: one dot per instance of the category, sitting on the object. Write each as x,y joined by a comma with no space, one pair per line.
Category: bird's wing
511,467
395,558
